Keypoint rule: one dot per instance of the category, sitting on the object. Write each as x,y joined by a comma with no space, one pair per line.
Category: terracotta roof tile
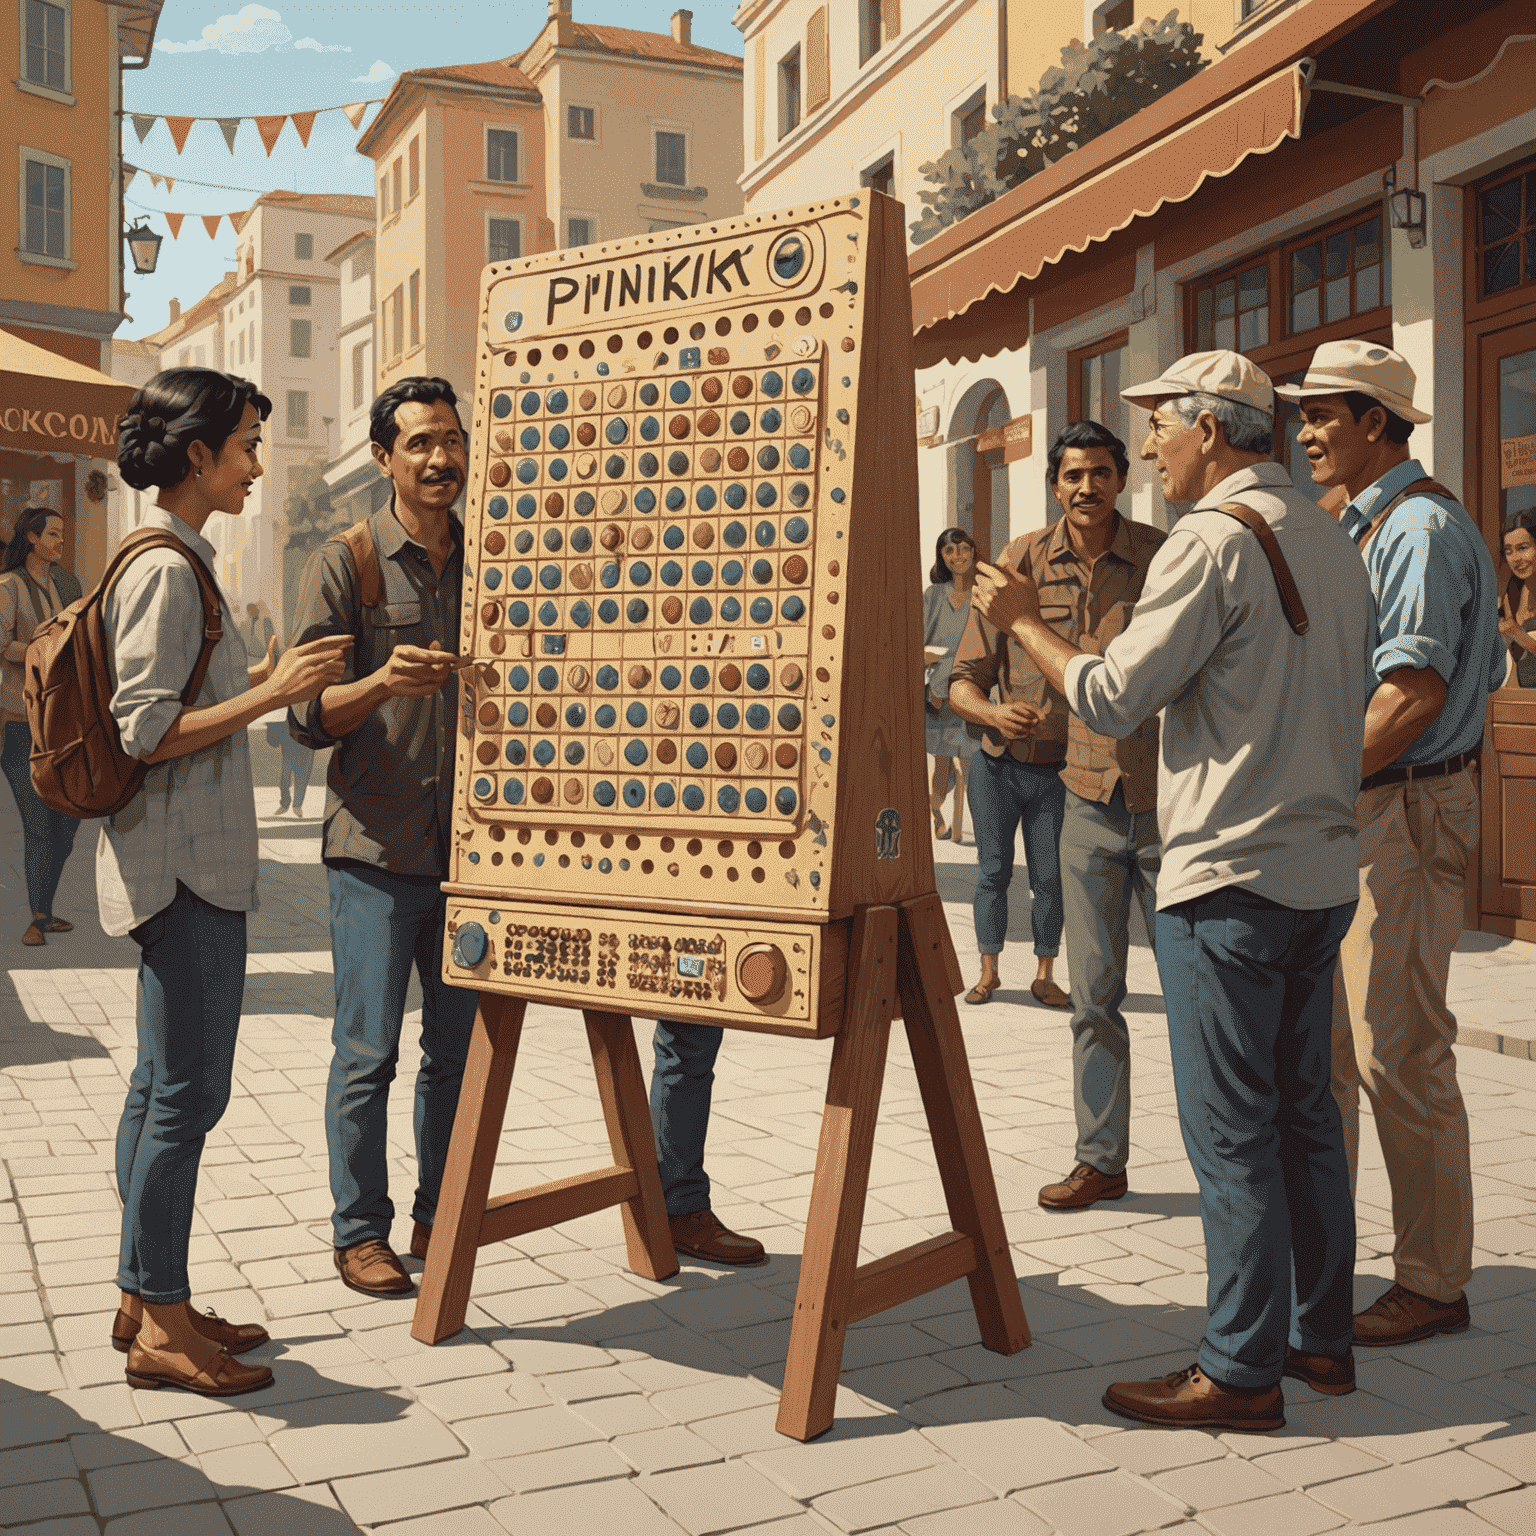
502,72
651,45
319,202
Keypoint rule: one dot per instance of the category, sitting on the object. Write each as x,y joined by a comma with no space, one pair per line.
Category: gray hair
1247,428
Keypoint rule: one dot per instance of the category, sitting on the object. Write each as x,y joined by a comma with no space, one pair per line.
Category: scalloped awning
49,404
1102,198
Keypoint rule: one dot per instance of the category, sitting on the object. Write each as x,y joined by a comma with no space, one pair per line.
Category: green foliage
1099,84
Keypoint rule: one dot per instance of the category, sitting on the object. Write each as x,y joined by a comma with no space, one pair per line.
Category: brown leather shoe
233,1338
1049,994
223,1376
1333,1374
1402,1316
1082,1187
704,1236
372,1268
421,1236
1189,1399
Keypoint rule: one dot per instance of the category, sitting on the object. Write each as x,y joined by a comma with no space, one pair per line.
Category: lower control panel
741,974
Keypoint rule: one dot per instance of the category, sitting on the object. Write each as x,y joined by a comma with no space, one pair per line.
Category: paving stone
893,1499
325,1450
617,1507
538,1470
1313,1464
1514,1512
45,1500
398,1495
665,1450
1013,1453
188,1520
706,1500
1111,1504
1004,1518
1286,1514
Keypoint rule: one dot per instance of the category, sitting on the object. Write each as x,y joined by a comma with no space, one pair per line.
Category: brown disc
729,676
500,473
611,537
490,613
586,433
709,460
680,427
504,441
543,791
554,504
489,713
573,791
667,716
495,542
490,677
738,459
580,576
755,756
785,755
718,358
711,388
795,569
791,676
672,609
833,567
725,756
847,343
640,538
639,675
617,396
576,678
709,423
545,714
704,534
487,752
741,386
498,644
762,974
666,751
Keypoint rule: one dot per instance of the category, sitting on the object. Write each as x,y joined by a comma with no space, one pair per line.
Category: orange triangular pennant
132,171
269,128
355,112
239,220
155,181
211,222
180,127
170,183
142,123
174,220
303,123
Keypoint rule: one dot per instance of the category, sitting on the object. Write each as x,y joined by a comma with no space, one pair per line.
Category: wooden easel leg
621,1088
450,1267
836,1215
954,1122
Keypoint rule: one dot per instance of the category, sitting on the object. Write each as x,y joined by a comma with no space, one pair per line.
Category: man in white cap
1252,634
1437,658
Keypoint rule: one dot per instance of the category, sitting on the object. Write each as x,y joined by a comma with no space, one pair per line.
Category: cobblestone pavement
583,1398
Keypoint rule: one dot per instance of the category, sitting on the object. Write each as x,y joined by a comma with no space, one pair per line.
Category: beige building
134,363
356,486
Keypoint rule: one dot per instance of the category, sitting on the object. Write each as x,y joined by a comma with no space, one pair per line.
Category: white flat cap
1340,366
1227,375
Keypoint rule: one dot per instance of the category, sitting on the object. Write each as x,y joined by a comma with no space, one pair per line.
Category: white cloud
316,46
252,29
380,71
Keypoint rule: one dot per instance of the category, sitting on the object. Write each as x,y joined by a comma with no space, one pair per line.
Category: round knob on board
762,973
470,945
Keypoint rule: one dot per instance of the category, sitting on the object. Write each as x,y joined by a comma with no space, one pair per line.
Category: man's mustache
441,476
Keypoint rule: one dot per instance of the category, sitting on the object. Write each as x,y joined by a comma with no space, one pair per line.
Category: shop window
503,240
304,247
1339,274
789,92
298,413
501,154
1506,234
298,294
45,57
881,176
1095,376
578,232
581,122
1232,312
47,207
968,120
672,159
298,338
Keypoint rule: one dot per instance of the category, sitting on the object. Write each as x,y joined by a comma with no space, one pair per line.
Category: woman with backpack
29,597
176,867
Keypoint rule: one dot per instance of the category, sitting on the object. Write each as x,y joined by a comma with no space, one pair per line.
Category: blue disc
671,573
517,614
693,798
698,716
704,498
558,469
702,573
635,753
649,394
501,406
581,613
603,792
730,610
674,537
609,575
559,436
648,466
735,496
767,457
522,577
772,383
616,431
516,751
762,572
677,462
650,429
557,401
605,866
574,752
740,422
638,610
636,714
785,801
549,577
530,404
527,506
512,791
523,542
645,499
799,456
761,609
728,798
517,713
766,495
676,498
758,716
799,494
735,535
493,577
554,645
757,801
604,716
607,678
771,420
728,716
544,753
581,538
614,466
527,471
576,716
529,439
497,507
764,533
758,677
730,573
803,382
517,679
483,787
664,795
789,717
697,754
639,573
607,610
549,615
680,391
634,792
698,679
584,503
797,530
670,678
793,607
549,678
839,495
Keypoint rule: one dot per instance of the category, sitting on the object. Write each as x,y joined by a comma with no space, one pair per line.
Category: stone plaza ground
582,1399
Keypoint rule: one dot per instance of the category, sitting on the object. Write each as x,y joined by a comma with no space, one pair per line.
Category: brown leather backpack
78,763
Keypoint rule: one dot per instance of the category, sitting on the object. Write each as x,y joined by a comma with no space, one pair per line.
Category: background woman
176,869
946,607
28,597
1517,602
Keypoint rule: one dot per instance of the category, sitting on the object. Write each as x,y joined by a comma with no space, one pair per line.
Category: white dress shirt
1263,730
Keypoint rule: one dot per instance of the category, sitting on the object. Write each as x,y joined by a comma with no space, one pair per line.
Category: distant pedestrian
946,607
1517,602
297,763
257,632
29,596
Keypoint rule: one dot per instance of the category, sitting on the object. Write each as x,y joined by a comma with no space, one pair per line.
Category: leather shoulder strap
358,539
1290,597
1425,487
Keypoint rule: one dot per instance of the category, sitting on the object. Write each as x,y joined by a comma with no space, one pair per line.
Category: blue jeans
380,925
681,1086
47,835
191,985
1249,989
1003,792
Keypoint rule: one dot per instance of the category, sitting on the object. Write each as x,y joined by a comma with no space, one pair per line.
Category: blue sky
230,60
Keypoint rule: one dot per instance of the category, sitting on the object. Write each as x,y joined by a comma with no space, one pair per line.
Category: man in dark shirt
391,720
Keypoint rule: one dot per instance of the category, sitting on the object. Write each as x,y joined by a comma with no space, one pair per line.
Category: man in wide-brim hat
1438,656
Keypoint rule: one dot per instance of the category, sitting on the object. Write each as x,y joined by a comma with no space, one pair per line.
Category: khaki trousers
1392,1030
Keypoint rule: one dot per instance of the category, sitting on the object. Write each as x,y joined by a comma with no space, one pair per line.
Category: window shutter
891,12
759,69
818,86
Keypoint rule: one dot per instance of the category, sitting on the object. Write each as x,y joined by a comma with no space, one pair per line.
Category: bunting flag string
268,125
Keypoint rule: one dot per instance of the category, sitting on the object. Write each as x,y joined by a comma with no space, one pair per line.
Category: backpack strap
137,543
1290,597
1425,487
358,539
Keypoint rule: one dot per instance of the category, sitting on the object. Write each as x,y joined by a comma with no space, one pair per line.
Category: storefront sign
1518,462
1015,438
25,424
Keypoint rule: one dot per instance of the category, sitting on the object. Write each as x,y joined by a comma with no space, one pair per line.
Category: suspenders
1290,598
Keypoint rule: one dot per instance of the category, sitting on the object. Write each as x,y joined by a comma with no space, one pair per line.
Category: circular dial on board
470,945
762,973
